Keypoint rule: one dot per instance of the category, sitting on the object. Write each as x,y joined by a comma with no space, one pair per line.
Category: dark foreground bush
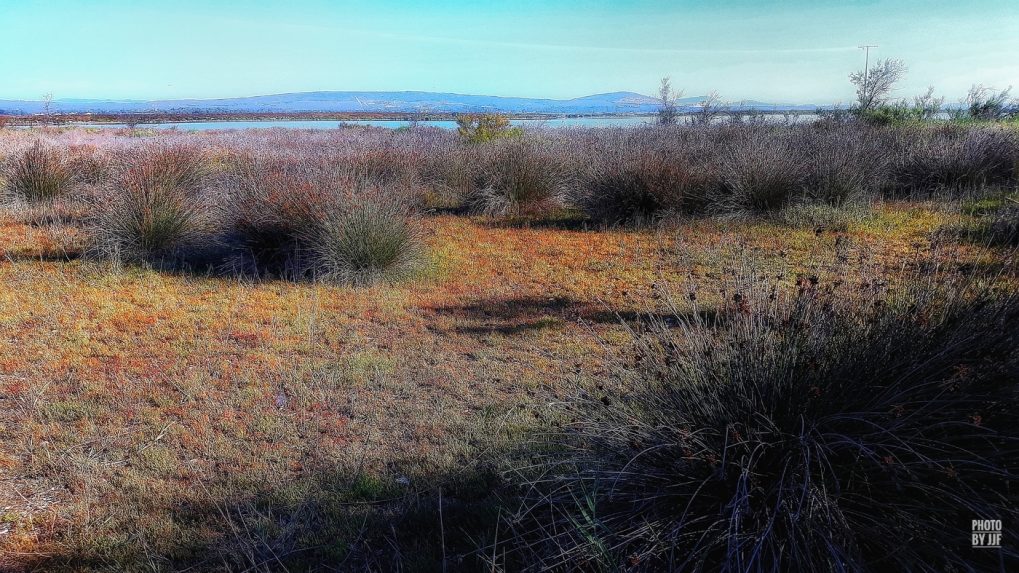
154,212
270,204
39,175
836,427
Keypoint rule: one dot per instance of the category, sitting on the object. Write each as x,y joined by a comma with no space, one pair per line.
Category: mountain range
376,102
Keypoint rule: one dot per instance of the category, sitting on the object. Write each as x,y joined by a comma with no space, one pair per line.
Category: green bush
478,128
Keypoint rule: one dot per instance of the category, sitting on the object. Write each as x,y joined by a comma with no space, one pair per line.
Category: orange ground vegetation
128,394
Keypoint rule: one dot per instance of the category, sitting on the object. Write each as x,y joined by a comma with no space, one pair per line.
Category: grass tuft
39,175
799,428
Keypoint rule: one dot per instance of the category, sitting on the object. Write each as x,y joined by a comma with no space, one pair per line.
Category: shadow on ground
328,521
519,315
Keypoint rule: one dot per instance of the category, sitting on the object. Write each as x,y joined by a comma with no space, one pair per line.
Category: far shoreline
63,119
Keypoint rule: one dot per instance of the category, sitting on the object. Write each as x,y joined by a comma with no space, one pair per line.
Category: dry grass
158,421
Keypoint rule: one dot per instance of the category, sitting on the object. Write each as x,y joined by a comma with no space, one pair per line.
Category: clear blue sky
794,51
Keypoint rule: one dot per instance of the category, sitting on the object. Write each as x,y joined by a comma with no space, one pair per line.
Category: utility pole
866,66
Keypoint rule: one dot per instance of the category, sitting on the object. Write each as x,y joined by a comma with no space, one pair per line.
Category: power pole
866,66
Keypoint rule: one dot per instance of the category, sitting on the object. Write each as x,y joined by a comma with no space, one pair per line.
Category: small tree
708,109
476,128
874,86
667,97
47,105
986,103
926,106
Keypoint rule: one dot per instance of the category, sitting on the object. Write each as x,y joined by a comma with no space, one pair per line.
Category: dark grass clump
155,212
843,166
955,160
39,175
270,205
518,177
641,186
370,237
762,171
845,426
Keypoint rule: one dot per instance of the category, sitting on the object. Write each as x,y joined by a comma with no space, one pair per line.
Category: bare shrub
842,165
955,160
642,184
668,113
762,171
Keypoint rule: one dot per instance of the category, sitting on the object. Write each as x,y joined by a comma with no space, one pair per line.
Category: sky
794,51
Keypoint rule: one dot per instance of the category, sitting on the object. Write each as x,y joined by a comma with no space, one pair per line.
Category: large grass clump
40,174
271,204
368,238
298,219
843,426
762,171
518,177
155,212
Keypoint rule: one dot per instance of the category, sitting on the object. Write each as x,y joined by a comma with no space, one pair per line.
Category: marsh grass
802,427
39,175
368,239
155,212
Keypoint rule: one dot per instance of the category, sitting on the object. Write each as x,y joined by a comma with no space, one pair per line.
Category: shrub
641,186
477,128
270,205
842,166
517,178
154,211
831,427
450,173
988,104
956,160
369,238
762,171
38,175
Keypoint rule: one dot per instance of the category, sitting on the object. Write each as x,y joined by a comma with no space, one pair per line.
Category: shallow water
627,121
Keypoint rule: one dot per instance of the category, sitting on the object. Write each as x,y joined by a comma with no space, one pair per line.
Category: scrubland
742,346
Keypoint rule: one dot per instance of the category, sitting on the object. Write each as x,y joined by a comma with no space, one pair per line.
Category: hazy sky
792,51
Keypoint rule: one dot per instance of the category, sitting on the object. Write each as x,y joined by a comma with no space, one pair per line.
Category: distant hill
393,102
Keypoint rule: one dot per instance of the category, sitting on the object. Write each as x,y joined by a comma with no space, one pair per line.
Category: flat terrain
149,418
